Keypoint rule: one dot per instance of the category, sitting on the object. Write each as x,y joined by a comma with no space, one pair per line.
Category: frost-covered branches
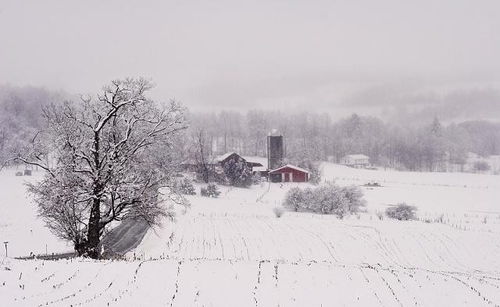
325,199
402,212
212,190
110,157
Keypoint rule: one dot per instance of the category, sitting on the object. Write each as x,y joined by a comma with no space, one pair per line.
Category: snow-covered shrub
212,190
186,187
294,199
402,212
326,199
354,198
278,211
256,178
341,201
314,171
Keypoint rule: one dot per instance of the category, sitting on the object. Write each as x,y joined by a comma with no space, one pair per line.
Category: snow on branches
325,199
110,156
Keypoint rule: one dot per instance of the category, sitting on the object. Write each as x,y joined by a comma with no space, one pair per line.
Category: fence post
5,243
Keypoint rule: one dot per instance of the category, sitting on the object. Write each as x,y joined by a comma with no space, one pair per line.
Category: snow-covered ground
19,224
460,197
234,251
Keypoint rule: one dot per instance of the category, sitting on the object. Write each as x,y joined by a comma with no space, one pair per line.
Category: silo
275,150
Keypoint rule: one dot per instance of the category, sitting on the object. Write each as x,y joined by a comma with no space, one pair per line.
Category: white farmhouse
358,161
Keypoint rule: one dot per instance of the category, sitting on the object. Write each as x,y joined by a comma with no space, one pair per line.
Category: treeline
311,136
21,116
429,146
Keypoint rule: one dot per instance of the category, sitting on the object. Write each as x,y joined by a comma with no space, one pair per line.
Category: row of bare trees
313,136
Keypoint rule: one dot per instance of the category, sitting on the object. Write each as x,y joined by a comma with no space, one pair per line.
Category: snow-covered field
234,251
19,224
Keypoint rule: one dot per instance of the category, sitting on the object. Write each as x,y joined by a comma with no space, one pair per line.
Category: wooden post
6,249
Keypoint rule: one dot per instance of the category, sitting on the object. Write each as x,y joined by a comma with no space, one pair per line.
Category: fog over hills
383,58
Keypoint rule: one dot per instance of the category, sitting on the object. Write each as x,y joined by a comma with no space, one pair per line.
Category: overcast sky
324,55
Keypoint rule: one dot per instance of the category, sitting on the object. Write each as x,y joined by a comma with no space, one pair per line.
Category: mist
338,57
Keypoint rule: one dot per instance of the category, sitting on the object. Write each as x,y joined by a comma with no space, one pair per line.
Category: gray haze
375,57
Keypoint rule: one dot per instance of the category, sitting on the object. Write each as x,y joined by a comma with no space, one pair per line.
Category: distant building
358,161
289,173
223,159
220,161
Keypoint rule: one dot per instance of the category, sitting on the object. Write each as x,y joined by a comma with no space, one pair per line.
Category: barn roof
290,166
227,155
258,163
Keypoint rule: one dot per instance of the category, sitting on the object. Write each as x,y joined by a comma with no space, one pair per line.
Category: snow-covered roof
357,156
255,159
290,166
225,156
259,169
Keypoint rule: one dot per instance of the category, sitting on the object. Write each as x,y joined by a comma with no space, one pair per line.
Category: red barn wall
298,176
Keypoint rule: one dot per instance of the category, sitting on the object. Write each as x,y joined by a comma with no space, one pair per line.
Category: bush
212,190
314,171
186,187
326,199
256,178
402,212
295,199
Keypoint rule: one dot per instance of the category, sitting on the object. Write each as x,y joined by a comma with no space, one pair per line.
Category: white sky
249,54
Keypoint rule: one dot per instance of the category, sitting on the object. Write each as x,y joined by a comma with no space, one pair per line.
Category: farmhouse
289,173
358,161
223,159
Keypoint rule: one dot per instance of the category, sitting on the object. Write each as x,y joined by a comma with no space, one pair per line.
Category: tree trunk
93,234
91,246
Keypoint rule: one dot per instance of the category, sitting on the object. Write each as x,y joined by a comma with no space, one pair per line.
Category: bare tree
110,156
201,156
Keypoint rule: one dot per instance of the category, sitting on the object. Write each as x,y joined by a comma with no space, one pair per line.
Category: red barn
289,173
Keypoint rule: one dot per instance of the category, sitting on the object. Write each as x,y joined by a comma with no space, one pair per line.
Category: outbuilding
357,161
253,164
289,173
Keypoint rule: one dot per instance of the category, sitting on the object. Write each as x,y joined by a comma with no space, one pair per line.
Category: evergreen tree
237,172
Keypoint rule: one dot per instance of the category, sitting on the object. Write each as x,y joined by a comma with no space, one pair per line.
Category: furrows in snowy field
235,251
